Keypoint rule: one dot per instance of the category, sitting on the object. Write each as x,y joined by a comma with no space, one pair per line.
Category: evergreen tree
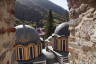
50,24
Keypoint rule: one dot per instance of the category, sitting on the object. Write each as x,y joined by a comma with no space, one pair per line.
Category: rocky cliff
7,30
83,31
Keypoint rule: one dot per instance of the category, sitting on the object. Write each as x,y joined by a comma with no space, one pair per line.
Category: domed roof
62,29
26,34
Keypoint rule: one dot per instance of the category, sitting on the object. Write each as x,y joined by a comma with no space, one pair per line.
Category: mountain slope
35,10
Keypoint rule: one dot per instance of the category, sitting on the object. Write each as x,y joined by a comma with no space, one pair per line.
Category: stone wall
83,42
7,30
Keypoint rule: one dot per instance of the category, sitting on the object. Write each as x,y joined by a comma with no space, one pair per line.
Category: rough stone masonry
82,40
7,31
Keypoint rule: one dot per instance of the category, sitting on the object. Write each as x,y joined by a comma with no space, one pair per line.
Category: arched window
31,52
61,44
39,49
64,45
20,53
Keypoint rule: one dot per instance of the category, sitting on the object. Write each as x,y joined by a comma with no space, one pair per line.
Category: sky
62,3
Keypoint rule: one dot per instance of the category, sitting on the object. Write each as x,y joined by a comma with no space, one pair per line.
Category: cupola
28,44
60,36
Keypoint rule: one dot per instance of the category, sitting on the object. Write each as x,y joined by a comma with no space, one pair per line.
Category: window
20,53
55,43
64,45
31,51
61,44
39,50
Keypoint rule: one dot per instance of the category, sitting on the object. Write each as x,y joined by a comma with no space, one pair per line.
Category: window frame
19,53
31,52
63,45
38,49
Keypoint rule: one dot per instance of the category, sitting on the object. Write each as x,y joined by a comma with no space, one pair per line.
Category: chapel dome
62,29
26,34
